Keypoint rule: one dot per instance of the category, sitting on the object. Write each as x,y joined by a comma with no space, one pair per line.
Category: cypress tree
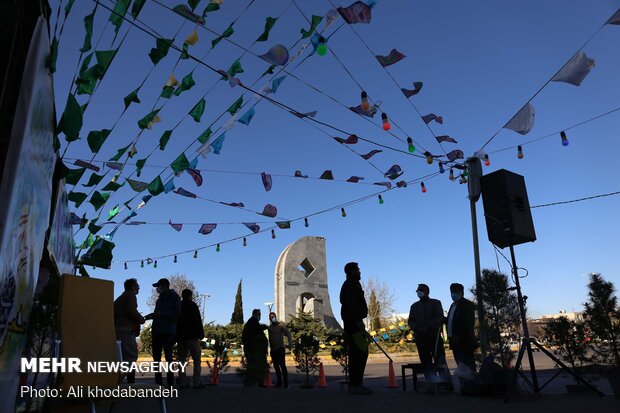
237,315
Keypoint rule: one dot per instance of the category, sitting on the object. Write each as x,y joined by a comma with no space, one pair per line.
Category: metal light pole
205,297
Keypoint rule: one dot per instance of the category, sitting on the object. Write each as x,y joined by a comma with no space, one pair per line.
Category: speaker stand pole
525,344
481,318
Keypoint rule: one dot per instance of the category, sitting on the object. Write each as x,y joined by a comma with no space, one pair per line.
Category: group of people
175,320
426,320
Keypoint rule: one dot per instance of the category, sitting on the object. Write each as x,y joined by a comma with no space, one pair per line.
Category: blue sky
480,61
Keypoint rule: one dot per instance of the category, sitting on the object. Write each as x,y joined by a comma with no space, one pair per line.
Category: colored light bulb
141,264
519,152
306,224
386,122
125,265
155,264
429,159
175,259
245,242
423,187
451,177
217,248
487,162
196,254
564,138
410,145
380,199
273,234
464,178
365,104
441,169
343,212
321,48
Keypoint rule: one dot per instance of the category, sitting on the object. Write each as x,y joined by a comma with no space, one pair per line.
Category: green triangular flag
186,84
210,7
315,22
184,52
132,97
137,186
166,92
98,199
137,7
198,110
77,198
51,59
86,63
180,164
119,153
233,70
111,186
269,71
116,17
268,25
163,141
144,122
71,120
193,3
96,138
161,50
113,212
93,228
139,165
71,176
156,187
88,27
68,7
204,136
227,33
99,254
234,108
104,60
94,180
83,223
88,241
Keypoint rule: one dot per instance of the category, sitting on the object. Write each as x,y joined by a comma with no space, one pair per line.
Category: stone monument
300,281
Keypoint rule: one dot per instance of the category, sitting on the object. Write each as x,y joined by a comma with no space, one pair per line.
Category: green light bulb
321,49
217,249
380,200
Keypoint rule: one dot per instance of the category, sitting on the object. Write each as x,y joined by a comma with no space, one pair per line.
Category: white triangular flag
522,122
575,70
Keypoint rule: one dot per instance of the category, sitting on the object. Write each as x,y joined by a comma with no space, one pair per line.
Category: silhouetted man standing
461,337
254,349
277,331
127,322
354,311
426,319
189,333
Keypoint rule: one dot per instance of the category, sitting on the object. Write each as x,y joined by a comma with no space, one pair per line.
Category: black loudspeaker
507,209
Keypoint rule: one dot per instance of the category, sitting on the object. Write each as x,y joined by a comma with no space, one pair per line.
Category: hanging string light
142,264
321,48
410,145
175,259
196,254
125,265
451,177
380,200
441,169
365,103
273,234
519,152
423,187
386,122
217,248
564,138
245,242
343,212
429,157
487,162
155,264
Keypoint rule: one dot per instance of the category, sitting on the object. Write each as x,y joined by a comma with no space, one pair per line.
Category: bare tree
383,298
178,282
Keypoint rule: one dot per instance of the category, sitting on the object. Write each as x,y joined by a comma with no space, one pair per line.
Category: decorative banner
358,12
277,55
131,98
455,154
233,70
246,118
351,140
206,229
183,192
313,25
169,186
270,211
432,117
330,17
217,144
299,175
371,154
385,184
401,184
180,164
417,86
576,70
198,110
266,178
355,179
327,175
615,19
162,46
284,224
177,227
269,23
196,176
114,165
394,172
184,11
227,33
97,138
370,113
252,226
445,138
231,122
523,121
394,57
234,204
305,115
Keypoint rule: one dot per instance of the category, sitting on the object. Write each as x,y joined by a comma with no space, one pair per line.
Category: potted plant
571,343
602,318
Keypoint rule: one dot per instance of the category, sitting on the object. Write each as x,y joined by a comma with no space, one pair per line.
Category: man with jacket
426,320
460,326
353,312
189,333
277,331
127,322
254,349
165,317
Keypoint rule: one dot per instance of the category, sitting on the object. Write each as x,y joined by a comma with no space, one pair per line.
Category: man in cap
127,322
426,320
460,327
164,328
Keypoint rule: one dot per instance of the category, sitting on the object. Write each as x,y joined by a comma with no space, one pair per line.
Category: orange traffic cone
214,375
322,380
391,377
267,380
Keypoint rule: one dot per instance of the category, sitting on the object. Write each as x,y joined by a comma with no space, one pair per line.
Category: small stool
416,368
